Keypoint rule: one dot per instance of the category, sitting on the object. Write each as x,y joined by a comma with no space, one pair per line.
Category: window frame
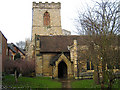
46,19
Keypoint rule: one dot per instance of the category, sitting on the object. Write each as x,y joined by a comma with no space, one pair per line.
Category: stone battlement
47,5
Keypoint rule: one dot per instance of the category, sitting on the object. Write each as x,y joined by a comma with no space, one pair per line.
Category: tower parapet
46,19
47,5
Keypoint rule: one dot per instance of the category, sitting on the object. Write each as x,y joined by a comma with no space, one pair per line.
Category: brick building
13,50
3,50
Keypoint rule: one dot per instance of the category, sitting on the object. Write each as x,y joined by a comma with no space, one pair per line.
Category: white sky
16,17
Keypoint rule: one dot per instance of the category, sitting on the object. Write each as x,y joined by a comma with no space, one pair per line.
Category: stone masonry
56,54
38,27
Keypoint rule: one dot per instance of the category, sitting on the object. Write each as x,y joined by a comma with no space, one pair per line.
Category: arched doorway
62,70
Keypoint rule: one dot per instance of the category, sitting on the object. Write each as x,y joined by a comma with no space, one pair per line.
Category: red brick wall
0,63
16,49
4,49
0,52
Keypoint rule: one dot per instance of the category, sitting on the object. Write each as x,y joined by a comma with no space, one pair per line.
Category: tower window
46,19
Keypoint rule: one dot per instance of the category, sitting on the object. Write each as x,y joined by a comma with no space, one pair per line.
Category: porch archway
62,70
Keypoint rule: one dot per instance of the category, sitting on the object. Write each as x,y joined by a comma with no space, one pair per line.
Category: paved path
66,83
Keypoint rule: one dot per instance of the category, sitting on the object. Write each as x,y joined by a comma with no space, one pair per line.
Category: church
54,49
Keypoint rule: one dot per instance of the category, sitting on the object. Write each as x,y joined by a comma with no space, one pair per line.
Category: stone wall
39,65
67,62
44,68
76,53
47,68
55,19
47,5
43,64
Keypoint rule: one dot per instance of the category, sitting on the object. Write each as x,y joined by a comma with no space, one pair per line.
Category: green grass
47,82
90,84
82,84
29,82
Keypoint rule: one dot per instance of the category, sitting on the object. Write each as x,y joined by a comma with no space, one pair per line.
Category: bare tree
100,24
23,66
21,44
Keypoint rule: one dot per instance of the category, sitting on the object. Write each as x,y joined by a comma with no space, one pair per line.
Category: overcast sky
16,16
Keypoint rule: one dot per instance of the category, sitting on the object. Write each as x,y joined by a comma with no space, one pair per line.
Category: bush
22,66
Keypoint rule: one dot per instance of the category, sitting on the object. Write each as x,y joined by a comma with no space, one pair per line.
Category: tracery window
46,19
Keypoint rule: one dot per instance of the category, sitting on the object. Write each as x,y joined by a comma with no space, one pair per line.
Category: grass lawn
90,84
29,82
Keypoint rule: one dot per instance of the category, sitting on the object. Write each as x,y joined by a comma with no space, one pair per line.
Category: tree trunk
103,75
16,79
110,85
16,75
96,75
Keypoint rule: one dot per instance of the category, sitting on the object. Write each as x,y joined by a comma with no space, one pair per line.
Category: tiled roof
59,43
55,58
11,46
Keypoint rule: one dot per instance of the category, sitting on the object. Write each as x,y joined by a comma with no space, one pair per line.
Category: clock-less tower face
46,19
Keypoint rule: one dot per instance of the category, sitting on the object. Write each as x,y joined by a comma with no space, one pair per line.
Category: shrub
22,66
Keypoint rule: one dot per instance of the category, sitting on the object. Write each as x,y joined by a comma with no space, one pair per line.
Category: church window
46,19
90,65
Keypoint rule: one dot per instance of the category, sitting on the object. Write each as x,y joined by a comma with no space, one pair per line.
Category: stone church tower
55,51
46,19
55,59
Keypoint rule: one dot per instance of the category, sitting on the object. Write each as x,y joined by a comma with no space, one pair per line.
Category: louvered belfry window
46,19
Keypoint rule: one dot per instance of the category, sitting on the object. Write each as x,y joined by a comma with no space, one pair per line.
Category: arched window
46,19
90,65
